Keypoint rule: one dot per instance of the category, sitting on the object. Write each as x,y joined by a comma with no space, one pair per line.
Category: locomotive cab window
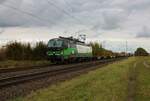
58,43
55,43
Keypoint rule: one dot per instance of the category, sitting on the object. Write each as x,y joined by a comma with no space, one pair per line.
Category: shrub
141,52
20,51
2,54
96,48
27,52
14,51
39,51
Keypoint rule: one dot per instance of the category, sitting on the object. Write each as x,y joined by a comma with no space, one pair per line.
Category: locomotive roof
72,39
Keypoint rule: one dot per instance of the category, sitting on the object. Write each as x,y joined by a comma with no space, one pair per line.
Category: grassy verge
19,64
143,80
105,84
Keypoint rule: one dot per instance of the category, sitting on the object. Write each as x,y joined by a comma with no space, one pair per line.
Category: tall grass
39,52
2,54
24,51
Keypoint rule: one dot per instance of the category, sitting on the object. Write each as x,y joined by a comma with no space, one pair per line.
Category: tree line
23,51
141,52
98,50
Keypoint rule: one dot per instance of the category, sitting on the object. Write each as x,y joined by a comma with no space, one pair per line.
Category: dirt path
132,83
146,65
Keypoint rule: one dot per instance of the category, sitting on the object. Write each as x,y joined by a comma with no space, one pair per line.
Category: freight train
69,49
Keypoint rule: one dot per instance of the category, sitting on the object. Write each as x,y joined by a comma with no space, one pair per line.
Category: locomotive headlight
72,52
48,53
61,53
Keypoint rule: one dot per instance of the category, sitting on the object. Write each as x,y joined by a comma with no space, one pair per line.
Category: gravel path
146,65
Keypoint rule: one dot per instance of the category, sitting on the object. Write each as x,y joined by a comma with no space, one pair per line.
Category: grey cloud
134,5
29,13
99,18
98,14
144,33
111,21
2,30
139,5
2,1
50,15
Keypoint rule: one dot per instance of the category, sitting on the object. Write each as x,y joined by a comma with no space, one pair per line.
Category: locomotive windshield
55,43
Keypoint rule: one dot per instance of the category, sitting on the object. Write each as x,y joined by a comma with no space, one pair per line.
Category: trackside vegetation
18,54
143,80
109,83
23,64
127,80
23,51
98,50
141,52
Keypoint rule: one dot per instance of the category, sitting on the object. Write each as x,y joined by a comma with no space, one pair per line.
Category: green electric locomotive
68,49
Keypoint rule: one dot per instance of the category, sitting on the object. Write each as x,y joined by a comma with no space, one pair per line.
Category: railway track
48,72
7,70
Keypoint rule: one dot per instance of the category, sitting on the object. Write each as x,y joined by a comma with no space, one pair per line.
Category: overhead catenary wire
68,14
39,19
68,5
63,11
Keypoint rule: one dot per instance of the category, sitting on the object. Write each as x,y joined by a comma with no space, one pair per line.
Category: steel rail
7,81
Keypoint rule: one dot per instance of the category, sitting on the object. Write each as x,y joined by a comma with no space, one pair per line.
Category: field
127,80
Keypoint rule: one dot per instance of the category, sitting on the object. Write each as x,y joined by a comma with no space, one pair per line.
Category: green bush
39,51
14,51
96,48
20,51
2,54
27,52
141,52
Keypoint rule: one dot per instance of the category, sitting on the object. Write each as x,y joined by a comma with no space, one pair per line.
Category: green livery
66,53
63,49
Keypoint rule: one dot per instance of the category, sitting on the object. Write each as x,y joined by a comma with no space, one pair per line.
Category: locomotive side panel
84,51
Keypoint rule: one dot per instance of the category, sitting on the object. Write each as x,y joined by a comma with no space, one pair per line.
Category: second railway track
57,70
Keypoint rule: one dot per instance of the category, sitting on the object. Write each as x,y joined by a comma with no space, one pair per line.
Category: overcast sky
111,22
